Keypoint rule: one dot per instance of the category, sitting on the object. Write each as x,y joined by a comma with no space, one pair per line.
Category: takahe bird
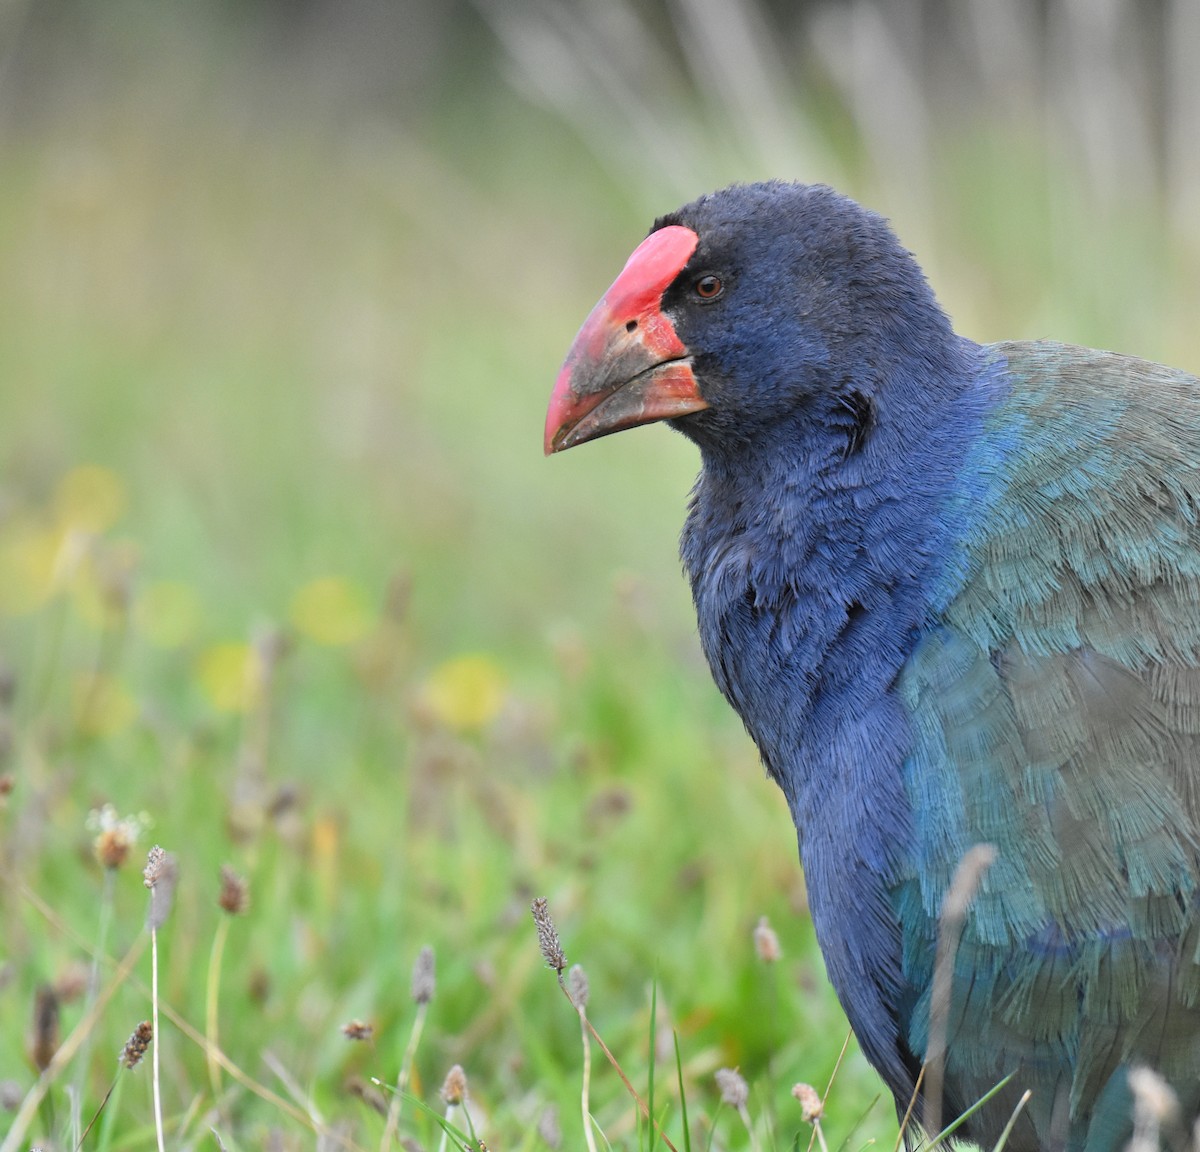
953,591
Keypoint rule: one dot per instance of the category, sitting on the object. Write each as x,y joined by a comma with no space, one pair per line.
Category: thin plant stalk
687,1136
302,1099
954,1125
585,1106
132,1055
449,1119
108,1113
963,886
93,989
912,1103
67,1051
211,1002
1012,1120
78,1140
748,1124
820,1134
837,1067
650,1055
122,973
158,1121
410,1053
556,960
619,1071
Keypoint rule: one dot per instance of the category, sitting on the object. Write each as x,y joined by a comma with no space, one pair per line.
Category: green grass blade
650,1087
687,1135
955,1124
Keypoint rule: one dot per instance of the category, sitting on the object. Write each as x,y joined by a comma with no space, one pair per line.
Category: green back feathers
1056,715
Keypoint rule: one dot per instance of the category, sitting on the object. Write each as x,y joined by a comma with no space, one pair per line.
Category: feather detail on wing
1056,715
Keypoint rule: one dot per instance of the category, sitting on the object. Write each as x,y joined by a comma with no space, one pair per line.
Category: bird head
740,309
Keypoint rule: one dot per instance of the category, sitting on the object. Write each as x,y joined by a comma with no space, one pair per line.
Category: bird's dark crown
819,299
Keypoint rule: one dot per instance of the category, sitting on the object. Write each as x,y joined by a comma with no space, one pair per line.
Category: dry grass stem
579,991
131,1056
67,1050
963,887
212,993
302,1099
556,959
234,898
160,876
1012,1120
912,1104
158,1120
123,972
422,993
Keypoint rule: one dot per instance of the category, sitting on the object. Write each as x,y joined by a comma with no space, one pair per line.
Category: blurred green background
284,576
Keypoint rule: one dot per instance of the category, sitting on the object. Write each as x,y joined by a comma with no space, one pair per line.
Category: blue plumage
954,593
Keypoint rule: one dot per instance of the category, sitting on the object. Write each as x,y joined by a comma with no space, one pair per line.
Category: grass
282,568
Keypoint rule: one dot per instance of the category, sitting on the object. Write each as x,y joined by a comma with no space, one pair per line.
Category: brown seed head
111,848
357,1030
235,892
44,1040
734,1089
423,976
766,943
160,876
156,860
137,1045
548,941
115,835
811,1105
7,783
454,1087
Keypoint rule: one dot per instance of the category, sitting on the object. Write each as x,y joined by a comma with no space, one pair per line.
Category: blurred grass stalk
1109,88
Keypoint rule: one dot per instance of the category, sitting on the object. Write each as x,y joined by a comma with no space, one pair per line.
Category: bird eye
709,287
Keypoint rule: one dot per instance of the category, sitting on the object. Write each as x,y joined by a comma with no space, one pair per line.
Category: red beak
627,365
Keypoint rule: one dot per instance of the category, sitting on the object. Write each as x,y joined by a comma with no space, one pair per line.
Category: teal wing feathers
1055,711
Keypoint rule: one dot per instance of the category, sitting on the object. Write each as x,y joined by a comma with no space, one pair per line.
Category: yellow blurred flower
168,613
103,705
228,675
29,560
331,610
89,499
465,693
